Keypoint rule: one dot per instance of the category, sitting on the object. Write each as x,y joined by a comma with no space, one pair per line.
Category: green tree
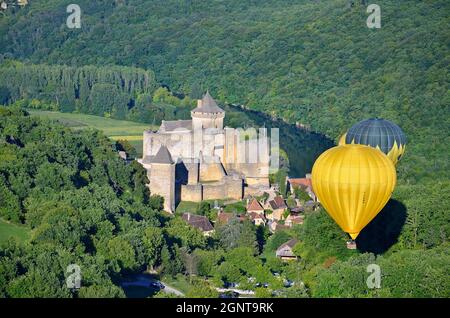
229,234
301,194
101,291
228,273
247,237
38,284
204,208
9,205
153,241
120,252
125,145
188,236
207,261
5,95
201,289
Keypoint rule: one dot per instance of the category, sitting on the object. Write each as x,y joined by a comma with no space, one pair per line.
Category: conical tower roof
162,156
208,105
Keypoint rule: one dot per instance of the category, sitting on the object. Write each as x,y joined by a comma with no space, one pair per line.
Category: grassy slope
111,127
8,230
115,129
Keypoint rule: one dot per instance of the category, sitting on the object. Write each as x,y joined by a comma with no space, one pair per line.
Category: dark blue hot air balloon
381,134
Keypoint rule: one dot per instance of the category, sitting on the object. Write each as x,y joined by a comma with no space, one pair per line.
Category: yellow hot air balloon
353,183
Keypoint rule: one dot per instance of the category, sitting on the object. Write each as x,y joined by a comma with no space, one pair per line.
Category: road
239,291
169,289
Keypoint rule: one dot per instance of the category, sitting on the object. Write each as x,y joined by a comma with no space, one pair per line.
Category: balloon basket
351,245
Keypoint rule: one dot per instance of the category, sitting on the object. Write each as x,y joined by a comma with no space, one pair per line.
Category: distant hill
314,62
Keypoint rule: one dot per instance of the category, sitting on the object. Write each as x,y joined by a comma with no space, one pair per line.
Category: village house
285,251
242,217
292,220
351,245
255,206
257,218
298,182
275,226
278,207
226,217
303,183
297,210
199,222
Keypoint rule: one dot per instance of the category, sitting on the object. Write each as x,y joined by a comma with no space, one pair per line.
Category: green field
8,230
113,128
187,206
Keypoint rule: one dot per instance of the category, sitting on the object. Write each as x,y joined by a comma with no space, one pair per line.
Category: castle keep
199,159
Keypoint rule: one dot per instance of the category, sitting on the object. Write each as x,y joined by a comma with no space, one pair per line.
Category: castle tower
162,177
207,114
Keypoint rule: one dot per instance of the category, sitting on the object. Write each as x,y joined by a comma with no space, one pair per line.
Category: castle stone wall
257,182
233,187
191,192
254,191
192,165
179,144
211,171
214,191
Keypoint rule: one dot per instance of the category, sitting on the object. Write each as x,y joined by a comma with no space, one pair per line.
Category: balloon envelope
381,134
342,139
353,184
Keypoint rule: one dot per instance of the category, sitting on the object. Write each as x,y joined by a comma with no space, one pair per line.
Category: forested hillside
109,91
83,205
315,62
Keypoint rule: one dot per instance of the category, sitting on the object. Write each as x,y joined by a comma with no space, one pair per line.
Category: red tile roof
242,218
224,217
304,182
255,206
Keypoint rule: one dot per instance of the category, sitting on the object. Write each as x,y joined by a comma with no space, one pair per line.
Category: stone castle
199,159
